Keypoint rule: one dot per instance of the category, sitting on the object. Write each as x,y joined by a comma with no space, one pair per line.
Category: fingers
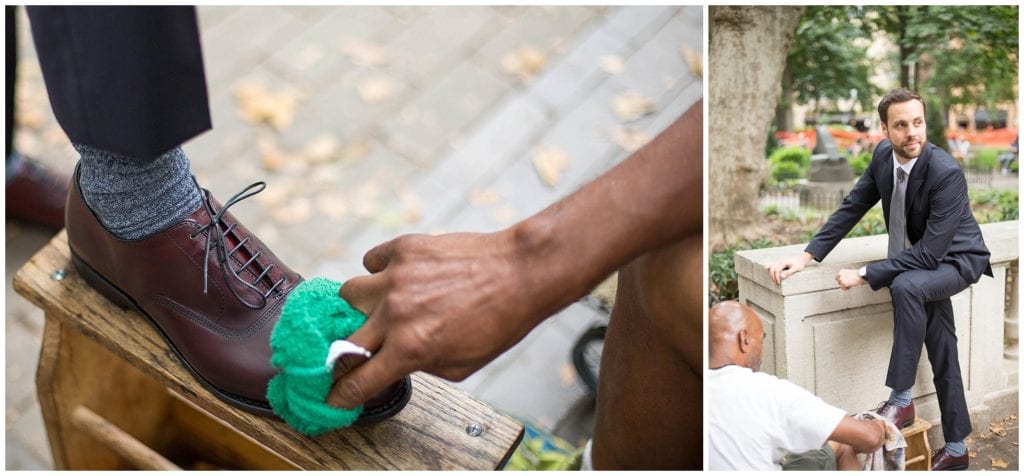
364,292
777,272
369,337
364,381
378,257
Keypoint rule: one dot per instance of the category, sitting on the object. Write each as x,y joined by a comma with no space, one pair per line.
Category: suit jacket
940,225
128,80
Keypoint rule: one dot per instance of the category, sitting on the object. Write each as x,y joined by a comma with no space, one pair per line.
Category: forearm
651,199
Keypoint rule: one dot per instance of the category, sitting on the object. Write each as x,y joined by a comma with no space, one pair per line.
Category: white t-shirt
756,419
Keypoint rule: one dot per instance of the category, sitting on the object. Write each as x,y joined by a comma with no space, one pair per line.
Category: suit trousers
923,315
125,79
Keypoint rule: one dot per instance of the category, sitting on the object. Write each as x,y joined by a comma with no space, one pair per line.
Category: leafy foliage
965,54
987,159
791,154
828,57
789,163
995,205
723,284
860,162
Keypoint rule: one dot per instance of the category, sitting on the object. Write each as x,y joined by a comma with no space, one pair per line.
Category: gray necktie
897,215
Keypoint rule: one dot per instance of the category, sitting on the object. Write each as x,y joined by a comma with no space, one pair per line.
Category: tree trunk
902,14
784,110
748,51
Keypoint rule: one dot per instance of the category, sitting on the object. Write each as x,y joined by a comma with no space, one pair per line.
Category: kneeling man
757,421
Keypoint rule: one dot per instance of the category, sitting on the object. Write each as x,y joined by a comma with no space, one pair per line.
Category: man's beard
902,152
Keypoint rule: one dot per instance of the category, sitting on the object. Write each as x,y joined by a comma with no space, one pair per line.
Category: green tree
975,61
964,55
827,60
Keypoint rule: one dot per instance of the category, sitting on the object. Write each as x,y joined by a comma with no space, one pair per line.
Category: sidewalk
371,122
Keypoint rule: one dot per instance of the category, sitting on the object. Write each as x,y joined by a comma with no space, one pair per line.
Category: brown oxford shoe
942,461
211,288
901,417
36,195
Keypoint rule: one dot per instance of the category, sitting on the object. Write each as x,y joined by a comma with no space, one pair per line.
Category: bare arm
864,436
449,304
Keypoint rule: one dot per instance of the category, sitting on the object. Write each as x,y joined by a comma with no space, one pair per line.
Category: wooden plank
47,389
113,437
430,433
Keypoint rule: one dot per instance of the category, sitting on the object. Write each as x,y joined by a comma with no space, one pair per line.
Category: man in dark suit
935,251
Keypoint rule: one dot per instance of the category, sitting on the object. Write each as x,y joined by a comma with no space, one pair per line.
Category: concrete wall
836,343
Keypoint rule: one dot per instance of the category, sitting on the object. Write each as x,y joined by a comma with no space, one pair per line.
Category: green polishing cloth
313,317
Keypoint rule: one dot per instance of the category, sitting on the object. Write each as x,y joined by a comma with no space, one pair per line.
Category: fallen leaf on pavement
630,138
257,104
483,197
524,62
612,64
631,106
355,150
273,197
694,61
364,53
322,149
550,161
375,90
568,375
998,463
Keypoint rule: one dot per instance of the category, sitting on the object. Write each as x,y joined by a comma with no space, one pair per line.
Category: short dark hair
897,96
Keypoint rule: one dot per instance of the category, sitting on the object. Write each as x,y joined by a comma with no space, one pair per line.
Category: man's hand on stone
849,278
785,268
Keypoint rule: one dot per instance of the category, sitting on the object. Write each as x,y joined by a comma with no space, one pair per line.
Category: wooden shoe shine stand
918,453
115,396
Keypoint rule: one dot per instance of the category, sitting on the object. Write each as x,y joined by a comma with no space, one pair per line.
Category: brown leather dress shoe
901,417
36,195
211,288
942,461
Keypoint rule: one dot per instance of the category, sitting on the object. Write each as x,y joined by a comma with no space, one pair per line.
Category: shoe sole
122,300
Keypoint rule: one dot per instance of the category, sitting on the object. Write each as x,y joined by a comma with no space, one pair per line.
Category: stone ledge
1001,239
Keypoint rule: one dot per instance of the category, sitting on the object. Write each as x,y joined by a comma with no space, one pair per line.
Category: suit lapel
917,175
884,178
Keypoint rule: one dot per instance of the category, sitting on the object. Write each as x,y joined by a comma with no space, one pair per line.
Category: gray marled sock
133,198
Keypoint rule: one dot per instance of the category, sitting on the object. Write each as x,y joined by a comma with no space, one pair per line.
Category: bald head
736,336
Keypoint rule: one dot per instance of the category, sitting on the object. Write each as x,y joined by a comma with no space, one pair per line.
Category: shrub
724,284
995,205
786,171
873,223
791,154
987,159
860,162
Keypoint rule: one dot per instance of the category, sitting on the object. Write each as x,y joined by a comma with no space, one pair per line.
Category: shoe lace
218,240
